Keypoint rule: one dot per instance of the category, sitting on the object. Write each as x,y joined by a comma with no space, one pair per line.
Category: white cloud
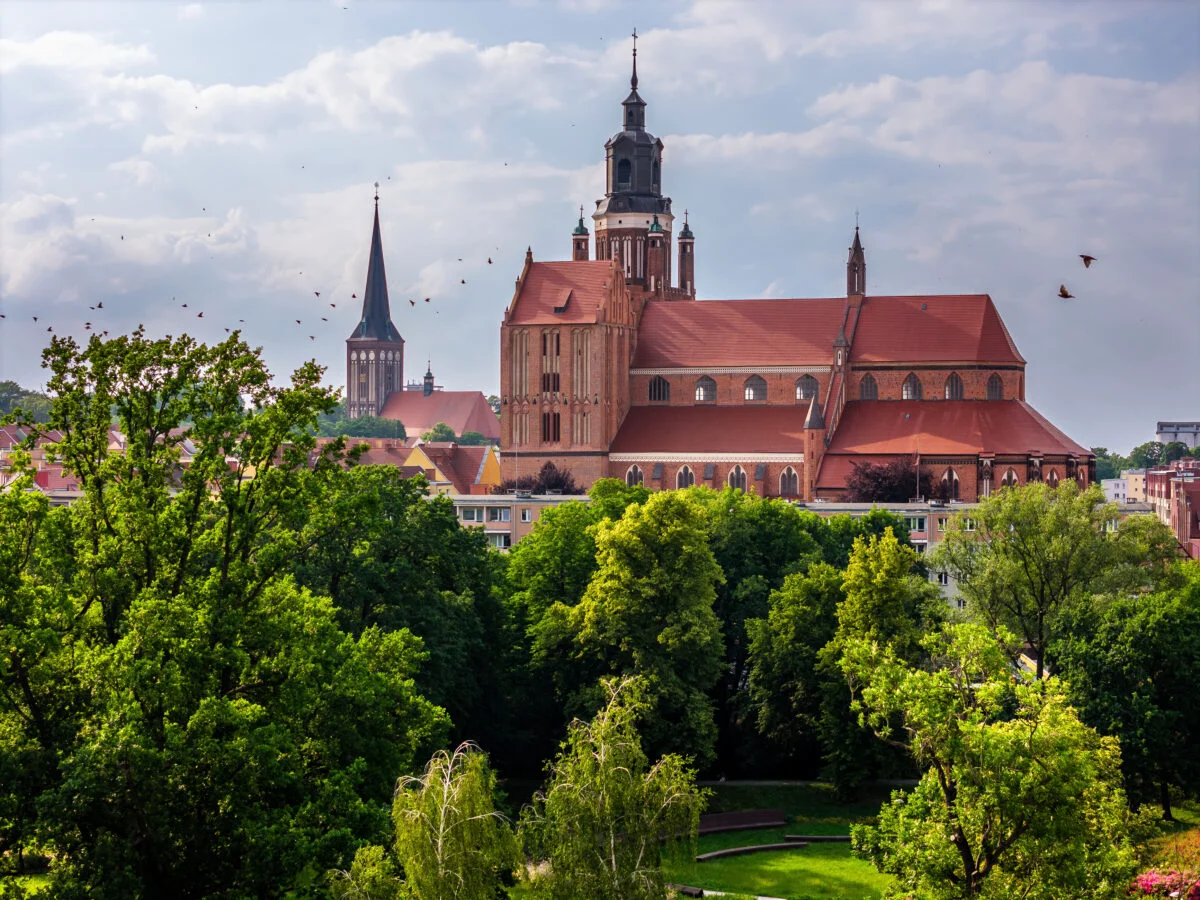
71,50
190,12
142,171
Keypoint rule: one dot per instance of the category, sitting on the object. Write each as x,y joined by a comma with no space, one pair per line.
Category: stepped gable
955,328
738,333
557,293
462,410
699,430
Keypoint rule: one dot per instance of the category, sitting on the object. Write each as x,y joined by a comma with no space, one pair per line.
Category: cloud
71,50
142,171
190,12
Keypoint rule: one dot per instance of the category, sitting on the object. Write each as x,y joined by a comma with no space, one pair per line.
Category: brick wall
933,382
731,389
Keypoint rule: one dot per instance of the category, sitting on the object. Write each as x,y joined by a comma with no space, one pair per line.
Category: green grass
33,884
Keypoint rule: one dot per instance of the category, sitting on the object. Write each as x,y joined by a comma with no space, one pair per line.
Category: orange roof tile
462,410
888,429
932,329
742,333
577,285
712,429
461,465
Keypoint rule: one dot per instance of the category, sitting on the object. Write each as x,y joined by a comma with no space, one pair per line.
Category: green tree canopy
607,818
439,432
1035,551
473,439
1018,797
188,721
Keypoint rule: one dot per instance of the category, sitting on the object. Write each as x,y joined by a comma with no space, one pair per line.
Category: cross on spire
633,80
377,195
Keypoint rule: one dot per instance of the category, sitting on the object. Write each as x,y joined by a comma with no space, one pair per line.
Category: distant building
375,383
1174,493
1115,489
1135,480
1183,432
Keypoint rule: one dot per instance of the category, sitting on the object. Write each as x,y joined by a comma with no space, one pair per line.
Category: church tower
375,350
856,269
633,221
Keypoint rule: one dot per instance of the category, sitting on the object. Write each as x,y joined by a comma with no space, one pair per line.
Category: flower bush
1175,883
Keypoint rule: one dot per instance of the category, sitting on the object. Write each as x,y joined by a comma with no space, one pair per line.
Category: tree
494,402
550,479
441,432
337,423
894,481
607,818
32,405
1018,797
449,839
473,439
1133,666
188,720
1035,551
837,534
648,611
785,688
1109,465
1174,450
885,603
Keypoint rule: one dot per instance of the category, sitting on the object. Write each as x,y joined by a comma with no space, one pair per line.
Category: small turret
687,258
428,384
856,268
579,239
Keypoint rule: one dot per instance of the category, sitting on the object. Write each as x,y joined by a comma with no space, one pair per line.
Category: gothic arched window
737,478
868,389
756,388
660,389
1052,479
685,478
950,484
624,173
954,387
706,390
806,387
911,389
995,388
1009,479
633,476
789,483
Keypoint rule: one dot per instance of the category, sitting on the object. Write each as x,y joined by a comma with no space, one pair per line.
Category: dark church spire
635,106
856,268
376,323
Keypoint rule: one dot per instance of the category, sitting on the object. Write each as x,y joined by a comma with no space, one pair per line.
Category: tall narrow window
756,388
1009,479
624,173
995,387
706,390
950,485
911,389
1052,479
789,483
806,387
685,478
660,389
868,389
954,387
581,380
633,476
551,346
551,427
737,478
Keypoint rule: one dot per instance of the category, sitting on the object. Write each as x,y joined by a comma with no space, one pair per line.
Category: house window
1009,479
868,389
943,579
500,541
527,515
471,514
789,483
941,523
756,388
911,389
498,514
968,524
706,390
633,476
737,478
914,523
995,387
660,389
954,387
685,478
806,387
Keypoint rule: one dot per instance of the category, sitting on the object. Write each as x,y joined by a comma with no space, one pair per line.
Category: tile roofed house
610,367
462,410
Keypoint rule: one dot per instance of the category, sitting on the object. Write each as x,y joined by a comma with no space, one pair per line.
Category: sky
223,155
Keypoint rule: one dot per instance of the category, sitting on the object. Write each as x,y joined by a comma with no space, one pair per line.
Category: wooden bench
743,820
684,890
757,848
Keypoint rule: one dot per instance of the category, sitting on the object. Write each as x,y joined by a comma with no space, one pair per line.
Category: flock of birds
1063,293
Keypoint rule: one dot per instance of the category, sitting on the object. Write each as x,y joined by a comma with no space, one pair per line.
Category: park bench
757,848
743,820
684,890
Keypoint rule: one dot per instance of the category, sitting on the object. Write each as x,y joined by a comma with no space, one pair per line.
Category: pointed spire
856,265
635,106
687,229
376,322
814,420
581,228
633,80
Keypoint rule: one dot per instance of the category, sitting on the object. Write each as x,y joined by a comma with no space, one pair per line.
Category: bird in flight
199,315
489,260
1064,293
185,306
412,302
463,281
323,319
100,305
354,296
318,293
1087,260
35,318
311,338
426,300
333,305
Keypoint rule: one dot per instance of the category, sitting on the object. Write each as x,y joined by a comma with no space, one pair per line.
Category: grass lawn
34,884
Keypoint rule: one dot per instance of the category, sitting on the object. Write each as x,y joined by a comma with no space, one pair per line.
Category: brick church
611,366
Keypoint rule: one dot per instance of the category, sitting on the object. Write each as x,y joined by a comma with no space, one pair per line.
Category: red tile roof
887,429
577,285
965,328
462,410
712,429
462,465
742,333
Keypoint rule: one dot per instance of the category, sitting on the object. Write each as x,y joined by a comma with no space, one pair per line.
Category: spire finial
856,218
377,195
633,80
685,219
580,212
